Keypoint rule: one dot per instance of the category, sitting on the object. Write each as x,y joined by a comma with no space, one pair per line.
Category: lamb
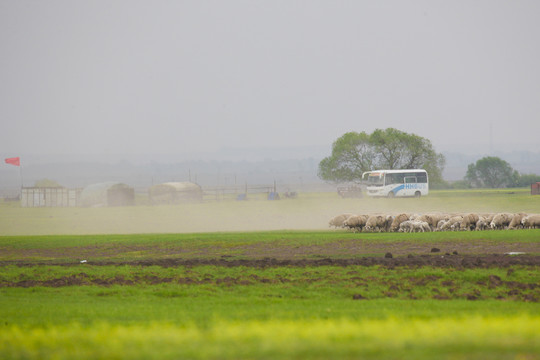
356,222
338,220
397,221
421,226
531,221
406,226
501,220
516,221
469,222
414,226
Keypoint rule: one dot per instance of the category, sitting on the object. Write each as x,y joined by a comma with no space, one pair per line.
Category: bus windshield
376,179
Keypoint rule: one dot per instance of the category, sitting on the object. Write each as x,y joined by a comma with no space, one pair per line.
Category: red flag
14,161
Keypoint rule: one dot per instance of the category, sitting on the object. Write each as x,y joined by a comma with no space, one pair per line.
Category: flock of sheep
435,222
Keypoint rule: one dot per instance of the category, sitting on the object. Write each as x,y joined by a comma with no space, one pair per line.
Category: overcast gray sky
184,77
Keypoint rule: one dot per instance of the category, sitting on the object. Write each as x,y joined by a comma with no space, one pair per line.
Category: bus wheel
417,194
391,194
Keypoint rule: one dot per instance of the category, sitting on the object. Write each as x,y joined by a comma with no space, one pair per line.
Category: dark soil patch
454,261
334,249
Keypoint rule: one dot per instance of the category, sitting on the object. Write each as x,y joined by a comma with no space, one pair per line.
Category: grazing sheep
482,224
426,218
436,217
356,222
414,216
501,221
378,223
516,221
449,225
488,217
469,222
432,219
531,221
440,225
397,221
338,220
406,222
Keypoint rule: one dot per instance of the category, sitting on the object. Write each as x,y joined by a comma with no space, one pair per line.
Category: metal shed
107,194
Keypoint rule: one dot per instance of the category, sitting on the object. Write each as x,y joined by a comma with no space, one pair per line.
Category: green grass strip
444,337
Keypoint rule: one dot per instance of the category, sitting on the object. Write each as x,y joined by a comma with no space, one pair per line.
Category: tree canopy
491,172
354,153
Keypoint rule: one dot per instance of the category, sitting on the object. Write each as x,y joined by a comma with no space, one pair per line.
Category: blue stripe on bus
396,189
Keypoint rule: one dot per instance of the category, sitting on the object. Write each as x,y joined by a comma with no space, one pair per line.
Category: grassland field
267,280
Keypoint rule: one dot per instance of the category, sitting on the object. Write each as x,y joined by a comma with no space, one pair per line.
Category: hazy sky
185,77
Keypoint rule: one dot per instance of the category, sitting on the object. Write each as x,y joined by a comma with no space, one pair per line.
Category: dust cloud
309,211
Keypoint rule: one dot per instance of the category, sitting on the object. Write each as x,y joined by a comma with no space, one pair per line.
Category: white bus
397,183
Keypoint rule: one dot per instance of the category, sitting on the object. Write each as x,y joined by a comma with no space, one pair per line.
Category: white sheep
338,220
531,221
450,224
469,222
397,221
421,226
516,221
355,222
440,225
482,224
378,223
501,221
406,226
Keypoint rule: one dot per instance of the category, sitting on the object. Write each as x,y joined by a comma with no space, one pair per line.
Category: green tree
491,172
527,179
354,153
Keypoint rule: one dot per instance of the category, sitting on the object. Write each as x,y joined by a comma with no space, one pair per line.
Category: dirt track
435,260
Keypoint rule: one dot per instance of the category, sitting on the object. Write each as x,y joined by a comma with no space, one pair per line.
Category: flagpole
20,173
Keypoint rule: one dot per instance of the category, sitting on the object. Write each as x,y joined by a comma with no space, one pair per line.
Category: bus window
421,177
410,180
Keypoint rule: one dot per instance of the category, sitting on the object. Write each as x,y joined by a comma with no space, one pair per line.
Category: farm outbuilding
535,188
107,194
49,197
175,193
